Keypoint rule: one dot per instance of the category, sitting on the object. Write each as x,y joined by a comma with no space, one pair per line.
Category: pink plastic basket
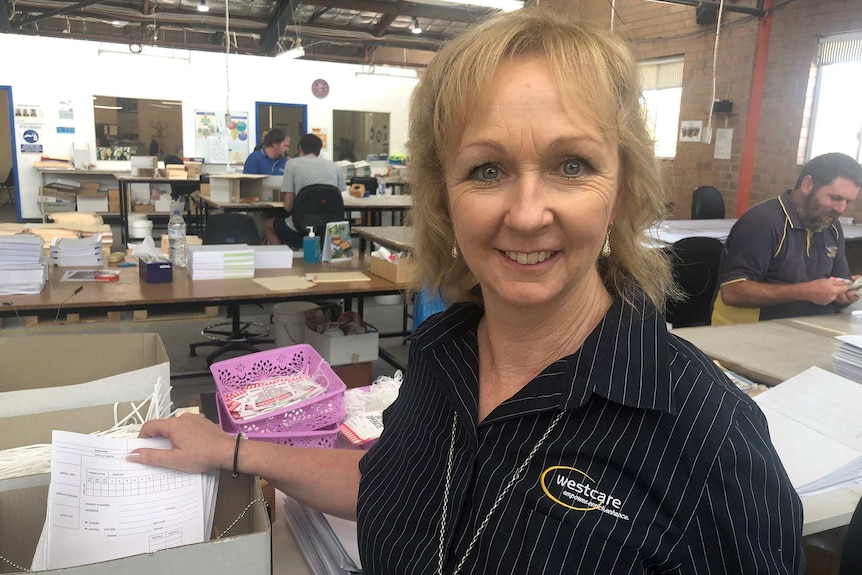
325,437
313,414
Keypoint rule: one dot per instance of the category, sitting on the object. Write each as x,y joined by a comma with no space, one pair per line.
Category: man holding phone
785,257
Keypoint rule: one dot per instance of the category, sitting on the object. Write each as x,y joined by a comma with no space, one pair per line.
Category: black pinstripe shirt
659,464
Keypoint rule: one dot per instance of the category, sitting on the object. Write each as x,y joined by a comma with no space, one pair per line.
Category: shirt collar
625,359
793,216
790,210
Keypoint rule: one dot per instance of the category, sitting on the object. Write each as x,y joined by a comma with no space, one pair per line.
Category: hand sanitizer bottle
310,248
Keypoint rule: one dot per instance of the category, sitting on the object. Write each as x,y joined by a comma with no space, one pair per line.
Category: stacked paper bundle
72,253
221,262
328,543
847,359
23,268
273,257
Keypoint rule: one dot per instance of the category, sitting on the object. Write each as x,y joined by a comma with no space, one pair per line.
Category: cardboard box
143,208
48,373
231,188
65,195
114,200
344,349
401,271
245,549
93,203
354,374
163,204
155,270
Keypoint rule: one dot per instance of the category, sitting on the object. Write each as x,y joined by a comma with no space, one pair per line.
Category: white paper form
102,507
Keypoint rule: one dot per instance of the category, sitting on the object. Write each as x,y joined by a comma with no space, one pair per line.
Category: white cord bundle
377,397
35,459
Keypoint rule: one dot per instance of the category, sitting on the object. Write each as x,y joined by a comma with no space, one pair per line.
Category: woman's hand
197,444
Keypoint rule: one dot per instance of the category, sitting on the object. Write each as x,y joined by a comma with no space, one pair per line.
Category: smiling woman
548,422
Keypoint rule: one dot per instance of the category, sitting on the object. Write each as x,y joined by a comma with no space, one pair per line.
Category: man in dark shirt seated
785,257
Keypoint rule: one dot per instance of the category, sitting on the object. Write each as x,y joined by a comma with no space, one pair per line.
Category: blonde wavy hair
599,73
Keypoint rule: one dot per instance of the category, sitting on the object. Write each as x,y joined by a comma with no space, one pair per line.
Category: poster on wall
29,113
322,135
65,110
689,130
723,142
29,128
30,138
219,141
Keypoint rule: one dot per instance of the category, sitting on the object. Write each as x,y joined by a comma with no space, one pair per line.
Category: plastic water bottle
381,186
177,239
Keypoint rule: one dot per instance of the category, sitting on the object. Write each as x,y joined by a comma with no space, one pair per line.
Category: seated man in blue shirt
270,159
785,257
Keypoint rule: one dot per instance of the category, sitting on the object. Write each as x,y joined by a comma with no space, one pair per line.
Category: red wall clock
320,88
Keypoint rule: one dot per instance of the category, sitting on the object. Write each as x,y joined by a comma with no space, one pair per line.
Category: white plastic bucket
288,320
140,229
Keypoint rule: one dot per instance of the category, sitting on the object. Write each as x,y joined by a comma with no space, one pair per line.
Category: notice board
221,138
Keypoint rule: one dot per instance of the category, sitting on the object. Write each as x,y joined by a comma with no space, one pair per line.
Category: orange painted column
755,102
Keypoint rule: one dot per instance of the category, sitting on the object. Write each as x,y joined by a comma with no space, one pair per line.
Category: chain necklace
514,479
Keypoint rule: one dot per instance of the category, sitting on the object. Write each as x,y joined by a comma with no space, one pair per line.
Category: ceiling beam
281,17
58,12
708,4
5,24
420,11
383,24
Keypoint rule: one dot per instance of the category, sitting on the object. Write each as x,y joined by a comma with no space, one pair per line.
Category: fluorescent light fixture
295,52
389,72
202,7
149,51
172,103
100,107
416,29
119,23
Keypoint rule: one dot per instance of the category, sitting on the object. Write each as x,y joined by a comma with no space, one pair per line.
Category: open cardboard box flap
245,550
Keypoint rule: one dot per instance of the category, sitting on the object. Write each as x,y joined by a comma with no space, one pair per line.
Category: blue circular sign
30,136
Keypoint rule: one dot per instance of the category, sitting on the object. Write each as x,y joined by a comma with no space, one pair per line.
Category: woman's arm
325,479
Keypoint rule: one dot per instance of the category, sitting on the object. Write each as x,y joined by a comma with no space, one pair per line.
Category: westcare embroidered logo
572,488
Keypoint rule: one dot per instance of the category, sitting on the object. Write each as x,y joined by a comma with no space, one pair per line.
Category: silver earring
454,251
606,248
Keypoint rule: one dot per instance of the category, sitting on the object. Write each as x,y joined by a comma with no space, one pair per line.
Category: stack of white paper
67,252
329,544
815,422
221,262
23,268
847,359
273,257
103,507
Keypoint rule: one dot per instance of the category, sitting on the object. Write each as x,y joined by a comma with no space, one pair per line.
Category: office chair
315,206
695,261
851,554
231,228
9,186
707,204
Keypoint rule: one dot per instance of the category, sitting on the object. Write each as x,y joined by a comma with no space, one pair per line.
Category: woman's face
531,190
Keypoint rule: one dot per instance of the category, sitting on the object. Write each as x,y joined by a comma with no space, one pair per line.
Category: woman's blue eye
488,172
572,168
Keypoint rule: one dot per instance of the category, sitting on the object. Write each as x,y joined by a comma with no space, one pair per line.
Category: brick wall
655,30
